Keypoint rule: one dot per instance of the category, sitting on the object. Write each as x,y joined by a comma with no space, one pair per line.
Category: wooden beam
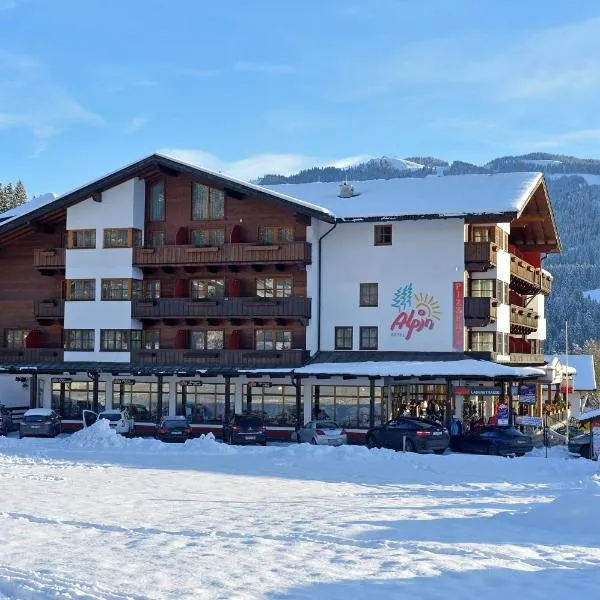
97,196
39,227
532,218
167,171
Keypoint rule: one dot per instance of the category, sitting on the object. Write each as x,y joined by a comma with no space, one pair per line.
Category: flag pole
567,388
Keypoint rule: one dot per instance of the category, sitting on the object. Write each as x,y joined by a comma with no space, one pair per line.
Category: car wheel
584,451
493,450
409,446
519,453
20,435
371,443
313,441
439,451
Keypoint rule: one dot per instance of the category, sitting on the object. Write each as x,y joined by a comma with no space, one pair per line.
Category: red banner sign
458,301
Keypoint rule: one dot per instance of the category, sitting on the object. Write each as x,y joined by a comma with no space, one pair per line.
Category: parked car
412,434
40,422
6,420
581,444
245,429
325,433
173,429
497,440
119,420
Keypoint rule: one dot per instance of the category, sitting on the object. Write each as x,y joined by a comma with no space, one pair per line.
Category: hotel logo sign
416,312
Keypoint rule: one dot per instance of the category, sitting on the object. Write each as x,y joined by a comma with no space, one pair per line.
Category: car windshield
327,425
36,418
248,421
174,423
509,432
110,416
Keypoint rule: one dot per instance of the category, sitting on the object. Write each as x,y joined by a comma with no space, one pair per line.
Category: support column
61,400
371,402
159,398
298,384
172,399
47,397
307,396
388,410
449,389
33,391
95,404
108,395
511,407
238,399
459,402
227,414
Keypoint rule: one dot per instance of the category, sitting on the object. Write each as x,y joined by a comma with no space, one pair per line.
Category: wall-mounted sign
465,390
416,312
124,381
62,379
260,384
191,382
533,421
527,393
458,317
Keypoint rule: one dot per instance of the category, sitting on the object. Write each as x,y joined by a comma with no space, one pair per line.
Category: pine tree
11,196
20,195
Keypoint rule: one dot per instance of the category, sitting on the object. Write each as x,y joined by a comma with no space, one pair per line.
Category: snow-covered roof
42,412
451,196
450,368
28,207
585,375
590,414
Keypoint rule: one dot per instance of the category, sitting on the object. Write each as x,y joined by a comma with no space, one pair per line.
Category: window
482,341
120,340
80,289
483,288
383,235
343,338
369,293
502,292
207,288
69,400
15,338
483,234
349,406
202,403
207,203
275,405
274,287
502,343
140,399
116,289
151,339
157,239
368,338
122,238
213,339
208,237
81,238
151,289
81,340
157,202
273,339
271,235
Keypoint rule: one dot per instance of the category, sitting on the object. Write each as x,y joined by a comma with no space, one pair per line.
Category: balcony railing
480,256
480,312
49,258
221,358
49,309
523,358
528,279
31,355
292,252
164,308
522,318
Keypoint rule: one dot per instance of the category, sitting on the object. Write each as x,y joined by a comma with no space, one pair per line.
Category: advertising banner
502,414
458,324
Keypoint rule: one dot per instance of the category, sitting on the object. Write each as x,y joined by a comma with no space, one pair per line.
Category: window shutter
234,340
33,339
181,340
182,289
236,235
181,239
234,288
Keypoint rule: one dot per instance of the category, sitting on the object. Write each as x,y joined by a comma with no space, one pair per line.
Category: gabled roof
584,378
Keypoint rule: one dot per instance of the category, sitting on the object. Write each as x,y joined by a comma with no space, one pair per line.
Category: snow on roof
585,374
590,414
451,368
456,195
43,412
28,207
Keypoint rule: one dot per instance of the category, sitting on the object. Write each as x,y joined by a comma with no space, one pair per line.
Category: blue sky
87,86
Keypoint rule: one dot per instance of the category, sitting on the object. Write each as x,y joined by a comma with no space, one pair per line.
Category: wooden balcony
221,358
522,320
480,256
521,358
527,279
30,355
480,312
49,259
49,310
169,308
227,254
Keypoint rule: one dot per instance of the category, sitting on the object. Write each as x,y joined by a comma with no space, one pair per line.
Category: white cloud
267,68
31,98
563,139
137,122
255,166
6,4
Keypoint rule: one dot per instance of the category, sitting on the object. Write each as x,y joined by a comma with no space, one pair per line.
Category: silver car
325,433
40,422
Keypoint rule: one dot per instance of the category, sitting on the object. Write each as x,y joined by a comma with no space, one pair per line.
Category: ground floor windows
275,404
426,401
203,403
348,406
70,399
141,399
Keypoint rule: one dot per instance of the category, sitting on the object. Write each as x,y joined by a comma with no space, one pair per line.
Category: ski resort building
167,288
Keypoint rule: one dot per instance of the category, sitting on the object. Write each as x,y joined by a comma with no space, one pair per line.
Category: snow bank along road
96,516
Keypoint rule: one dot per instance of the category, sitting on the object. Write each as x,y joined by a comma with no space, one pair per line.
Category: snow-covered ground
96,516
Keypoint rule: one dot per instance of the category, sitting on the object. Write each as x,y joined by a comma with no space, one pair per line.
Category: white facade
121,207
415,276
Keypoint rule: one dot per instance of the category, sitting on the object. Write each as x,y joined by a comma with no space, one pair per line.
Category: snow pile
99,435
207,444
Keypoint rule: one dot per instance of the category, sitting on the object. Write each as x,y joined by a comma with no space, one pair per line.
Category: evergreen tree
11,196
20,196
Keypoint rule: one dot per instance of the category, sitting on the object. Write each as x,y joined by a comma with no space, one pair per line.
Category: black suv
6,421
411,434
245,429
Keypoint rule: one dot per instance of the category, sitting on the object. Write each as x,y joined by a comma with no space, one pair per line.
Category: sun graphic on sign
427,306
